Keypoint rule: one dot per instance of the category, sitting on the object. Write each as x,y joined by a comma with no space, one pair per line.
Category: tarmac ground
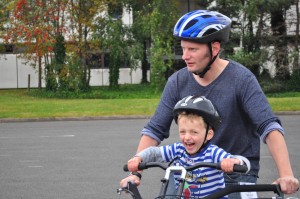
76,159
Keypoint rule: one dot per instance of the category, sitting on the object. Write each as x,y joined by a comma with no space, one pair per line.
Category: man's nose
185,55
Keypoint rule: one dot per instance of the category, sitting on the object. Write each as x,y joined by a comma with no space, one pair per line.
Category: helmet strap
204,142
202,73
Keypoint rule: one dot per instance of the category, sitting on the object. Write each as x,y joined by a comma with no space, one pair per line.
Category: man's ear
215,47
210,134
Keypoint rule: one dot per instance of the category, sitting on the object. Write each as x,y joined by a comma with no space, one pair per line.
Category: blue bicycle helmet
203,26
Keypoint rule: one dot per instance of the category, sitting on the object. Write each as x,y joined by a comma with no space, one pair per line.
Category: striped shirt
203,181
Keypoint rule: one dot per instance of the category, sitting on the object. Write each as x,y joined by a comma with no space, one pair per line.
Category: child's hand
227,164
131,178
133,163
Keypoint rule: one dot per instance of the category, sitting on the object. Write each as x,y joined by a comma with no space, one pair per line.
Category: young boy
197,119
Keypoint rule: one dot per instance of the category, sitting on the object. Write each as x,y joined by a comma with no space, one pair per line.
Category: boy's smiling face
192,131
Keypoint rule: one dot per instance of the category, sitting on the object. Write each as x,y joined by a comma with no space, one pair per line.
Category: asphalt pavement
83,158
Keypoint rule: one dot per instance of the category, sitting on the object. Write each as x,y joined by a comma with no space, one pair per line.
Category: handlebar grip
240,168
125,167
141,166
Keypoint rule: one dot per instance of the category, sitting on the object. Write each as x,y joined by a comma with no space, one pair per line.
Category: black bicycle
132,189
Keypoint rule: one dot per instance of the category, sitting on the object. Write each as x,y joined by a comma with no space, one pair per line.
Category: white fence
14,73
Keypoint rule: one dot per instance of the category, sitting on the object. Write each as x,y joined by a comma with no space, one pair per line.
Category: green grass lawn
18,104
126,101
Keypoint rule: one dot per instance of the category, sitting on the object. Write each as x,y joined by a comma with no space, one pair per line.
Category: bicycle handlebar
143,166
247,188
225,191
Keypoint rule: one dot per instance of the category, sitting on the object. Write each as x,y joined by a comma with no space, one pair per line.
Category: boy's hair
192,116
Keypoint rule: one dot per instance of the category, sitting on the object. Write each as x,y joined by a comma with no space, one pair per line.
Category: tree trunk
40,73
281,52
296,61
145,65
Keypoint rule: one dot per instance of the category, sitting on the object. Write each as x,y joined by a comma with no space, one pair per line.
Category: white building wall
8,72
14,74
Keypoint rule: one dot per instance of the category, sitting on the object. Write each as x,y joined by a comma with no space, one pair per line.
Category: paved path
84,159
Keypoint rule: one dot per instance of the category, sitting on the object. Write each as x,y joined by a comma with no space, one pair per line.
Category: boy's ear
210,134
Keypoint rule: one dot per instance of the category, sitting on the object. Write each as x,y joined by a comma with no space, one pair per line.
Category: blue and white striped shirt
203,181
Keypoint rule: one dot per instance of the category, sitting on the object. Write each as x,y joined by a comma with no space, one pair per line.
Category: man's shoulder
233,65
183,70
180,74
238,71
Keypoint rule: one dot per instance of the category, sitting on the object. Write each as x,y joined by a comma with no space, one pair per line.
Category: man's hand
288,184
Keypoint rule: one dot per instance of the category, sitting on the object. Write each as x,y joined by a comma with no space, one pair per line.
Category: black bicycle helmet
203,26
198,105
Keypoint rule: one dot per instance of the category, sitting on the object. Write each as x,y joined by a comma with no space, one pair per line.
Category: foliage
36,25
252,60
260,24
33,28
163,16
153,23
60,49
294,82
66,77
123,48
270,85
125,91
82,15
54,68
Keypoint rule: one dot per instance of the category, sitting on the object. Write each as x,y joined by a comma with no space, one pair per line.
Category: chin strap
202,73
204,142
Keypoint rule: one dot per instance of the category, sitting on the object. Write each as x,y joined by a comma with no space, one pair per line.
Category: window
94,61
98,60
7,48
115,10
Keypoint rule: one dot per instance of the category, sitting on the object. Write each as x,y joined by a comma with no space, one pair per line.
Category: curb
49,119
115,117
287,113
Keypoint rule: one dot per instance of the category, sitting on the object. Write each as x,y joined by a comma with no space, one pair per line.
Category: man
246,115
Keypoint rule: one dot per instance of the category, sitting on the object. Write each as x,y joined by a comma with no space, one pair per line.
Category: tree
252,31
294,82
118,39
83,14
4,17
53,70
278,26
33,28
153,26
141,11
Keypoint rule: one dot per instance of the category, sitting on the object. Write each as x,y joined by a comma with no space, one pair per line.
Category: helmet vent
179,23
209,31
190,24
206,16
